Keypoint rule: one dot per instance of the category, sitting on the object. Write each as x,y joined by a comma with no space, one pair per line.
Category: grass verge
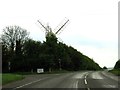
7,78
115,71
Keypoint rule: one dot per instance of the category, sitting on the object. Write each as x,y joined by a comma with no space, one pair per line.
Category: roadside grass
115,71
8,77
25,73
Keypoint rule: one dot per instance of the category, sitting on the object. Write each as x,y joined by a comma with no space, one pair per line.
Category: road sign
40,70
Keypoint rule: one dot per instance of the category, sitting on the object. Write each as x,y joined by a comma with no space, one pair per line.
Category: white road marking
88,88
76,84
85,81
80,75
85,78
29,83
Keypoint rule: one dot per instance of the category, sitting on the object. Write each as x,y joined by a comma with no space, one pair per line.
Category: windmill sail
49,31
43,26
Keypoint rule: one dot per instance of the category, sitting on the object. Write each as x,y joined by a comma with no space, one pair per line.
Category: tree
13,38
50,49
32,49
104,67
26,54
31,52
117,65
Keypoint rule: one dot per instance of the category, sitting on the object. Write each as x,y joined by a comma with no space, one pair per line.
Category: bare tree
13,37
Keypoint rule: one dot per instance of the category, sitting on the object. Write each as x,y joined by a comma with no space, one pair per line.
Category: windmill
48,30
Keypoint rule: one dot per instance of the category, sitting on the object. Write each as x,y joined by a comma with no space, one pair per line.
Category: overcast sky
92,30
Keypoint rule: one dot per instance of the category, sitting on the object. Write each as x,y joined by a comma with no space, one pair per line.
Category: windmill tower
48,30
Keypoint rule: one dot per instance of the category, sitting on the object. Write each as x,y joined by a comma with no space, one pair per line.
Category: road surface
83,80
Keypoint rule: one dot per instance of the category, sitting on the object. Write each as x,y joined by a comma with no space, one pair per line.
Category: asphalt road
85,80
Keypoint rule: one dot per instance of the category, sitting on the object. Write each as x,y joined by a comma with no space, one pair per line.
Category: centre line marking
85,81
85,76
76,84
88,88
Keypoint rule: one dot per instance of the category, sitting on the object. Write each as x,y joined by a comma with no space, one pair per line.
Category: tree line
20,53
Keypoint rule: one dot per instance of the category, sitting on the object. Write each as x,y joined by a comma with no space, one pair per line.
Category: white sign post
40,70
